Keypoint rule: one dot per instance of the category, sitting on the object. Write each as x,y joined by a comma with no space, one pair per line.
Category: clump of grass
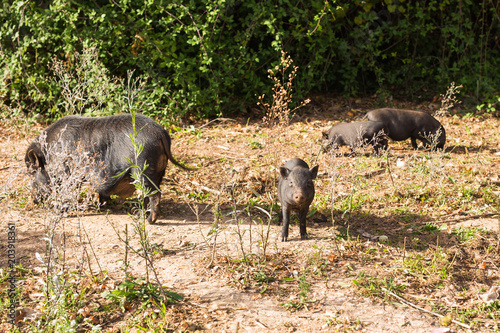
465,234
373,286
141,292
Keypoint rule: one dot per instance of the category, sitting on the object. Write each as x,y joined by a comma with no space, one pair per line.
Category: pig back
403,124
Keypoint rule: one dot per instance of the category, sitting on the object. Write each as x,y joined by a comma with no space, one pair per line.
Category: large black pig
295,192
108,140
356,134
404,124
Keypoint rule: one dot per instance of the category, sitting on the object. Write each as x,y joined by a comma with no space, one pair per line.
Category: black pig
108,140
356,134
404,124
295,192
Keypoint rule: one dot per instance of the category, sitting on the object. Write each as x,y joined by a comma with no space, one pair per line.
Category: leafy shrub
209,57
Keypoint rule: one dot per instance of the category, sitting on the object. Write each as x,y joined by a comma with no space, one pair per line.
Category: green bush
210,57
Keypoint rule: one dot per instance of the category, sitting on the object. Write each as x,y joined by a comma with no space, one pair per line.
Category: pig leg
352,152
302,222
152,181
104,199
426,142
384,144
286,221
280,218
154,203
380,145
414,142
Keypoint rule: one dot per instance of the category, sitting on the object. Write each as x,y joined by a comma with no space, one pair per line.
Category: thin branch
407,303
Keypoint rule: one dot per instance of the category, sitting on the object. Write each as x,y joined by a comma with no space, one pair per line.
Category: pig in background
355,135
295,193
417,125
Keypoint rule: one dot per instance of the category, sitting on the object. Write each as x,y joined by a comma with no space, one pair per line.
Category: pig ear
284,172
34,163
314,171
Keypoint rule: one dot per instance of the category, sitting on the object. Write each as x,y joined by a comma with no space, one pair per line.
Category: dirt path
224,308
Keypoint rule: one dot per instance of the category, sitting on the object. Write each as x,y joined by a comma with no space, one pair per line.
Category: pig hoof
284,239
303,237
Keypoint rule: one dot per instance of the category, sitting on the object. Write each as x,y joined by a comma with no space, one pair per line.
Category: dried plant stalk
278,112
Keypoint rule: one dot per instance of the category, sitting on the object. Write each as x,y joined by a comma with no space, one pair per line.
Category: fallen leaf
332,257
490,296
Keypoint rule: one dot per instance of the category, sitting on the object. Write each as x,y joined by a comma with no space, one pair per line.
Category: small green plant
316,260
199,196
404,213
373,285
354,201
262,277
431,227
304,287
141,292
255,144
465,234
433,271
195,131
22,201
322,202
467,194
489,107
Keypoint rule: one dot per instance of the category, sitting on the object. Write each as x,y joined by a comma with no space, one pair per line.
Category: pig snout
299,197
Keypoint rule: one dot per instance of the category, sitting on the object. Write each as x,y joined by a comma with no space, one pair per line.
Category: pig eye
290,184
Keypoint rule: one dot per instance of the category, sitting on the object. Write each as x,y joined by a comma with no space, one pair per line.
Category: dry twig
407,303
